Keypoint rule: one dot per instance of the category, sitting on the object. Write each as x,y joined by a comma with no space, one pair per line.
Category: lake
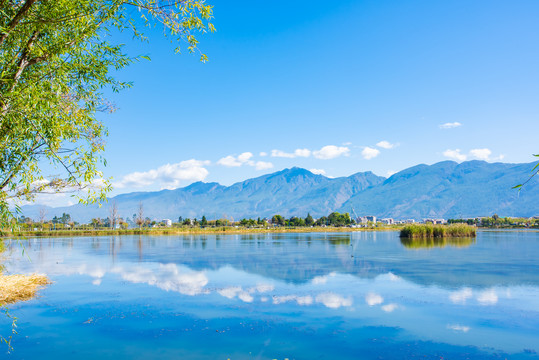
360,295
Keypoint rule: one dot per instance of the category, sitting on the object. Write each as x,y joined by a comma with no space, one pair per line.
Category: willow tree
56,58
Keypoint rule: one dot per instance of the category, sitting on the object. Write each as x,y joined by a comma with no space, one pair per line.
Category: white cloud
460,296
244,159
169,176
263,165
455,155
481,154
295,154
333,301
390,173
373,299
318,171
389,307
369,153
262,154
488,297
229,161
331,152
458,327
450,125
385,145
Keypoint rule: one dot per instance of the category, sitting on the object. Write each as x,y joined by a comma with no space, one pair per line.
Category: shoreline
180,231
209,231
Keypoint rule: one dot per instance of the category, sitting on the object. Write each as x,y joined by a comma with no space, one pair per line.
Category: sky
336,87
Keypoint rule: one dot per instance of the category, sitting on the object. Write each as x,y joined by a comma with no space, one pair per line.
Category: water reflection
326,283
425,243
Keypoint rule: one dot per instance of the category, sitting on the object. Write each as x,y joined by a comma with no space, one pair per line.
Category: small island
437,231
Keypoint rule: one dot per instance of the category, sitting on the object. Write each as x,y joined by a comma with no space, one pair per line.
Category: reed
15,288
438,231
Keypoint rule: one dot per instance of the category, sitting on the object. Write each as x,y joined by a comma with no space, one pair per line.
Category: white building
167,222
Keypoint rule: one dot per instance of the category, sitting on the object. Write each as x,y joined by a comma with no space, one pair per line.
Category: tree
113,214
309,221
140,216
55,62
278,220
203,222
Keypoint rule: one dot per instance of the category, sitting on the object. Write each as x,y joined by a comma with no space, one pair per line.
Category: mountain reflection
307,258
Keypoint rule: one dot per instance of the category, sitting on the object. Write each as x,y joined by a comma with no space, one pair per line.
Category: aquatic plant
14,288
437,231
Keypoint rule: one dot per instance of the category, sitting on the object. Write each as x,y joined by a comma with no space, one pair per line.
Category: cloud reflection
373,299
389,307
458,327
168,277
333,301
488,297
460,296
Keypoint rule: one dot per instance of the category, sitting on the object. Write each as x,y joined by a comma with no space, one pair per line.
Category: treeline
65,222
333,219
496,221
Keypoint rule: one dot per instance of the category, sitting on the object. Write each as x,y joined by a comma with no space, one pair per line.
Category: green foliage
534,171
437,231
55,62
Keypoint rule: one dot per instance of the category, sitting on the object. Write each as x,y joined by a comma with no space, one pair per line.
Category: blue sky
339,86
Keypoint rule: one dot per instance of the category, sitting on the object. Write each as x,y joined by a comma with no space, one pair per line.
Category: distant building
371,219
167,222
388,221
435,221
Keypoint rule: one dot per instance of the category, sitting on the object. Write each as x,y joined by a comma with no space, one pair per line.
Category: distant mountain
443,190
450,190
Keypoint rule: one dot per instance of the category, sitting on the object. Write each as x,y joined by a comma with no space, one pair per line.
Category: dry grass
15,288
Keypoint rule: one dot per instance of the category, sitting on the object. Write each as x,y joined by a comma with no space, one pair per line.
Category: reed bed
438,231
15,288
185,230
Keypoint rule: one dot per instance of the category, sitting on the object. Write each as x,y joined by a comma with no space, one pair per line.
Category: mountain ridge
441,190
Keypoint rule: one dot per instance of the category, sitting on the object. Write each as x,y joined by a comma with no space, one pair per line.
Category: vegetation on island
437,231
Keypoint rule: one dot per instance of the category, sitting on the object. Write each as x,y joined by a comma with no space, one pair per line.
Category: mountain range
443,190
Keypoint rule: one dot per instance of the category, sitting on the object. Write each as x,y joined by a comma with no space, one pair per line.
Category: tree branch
11,25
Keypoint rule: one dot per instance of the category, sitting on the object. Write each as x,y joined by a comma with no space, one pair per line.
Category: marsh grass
438,231
185,230
15,288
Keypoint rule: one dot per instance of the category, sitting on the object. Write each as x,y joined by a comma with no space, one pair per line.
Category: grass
438,231
185,230
15,288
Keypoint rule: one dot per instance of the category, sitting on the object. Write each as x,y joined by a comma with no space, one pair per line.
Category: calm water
276,296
